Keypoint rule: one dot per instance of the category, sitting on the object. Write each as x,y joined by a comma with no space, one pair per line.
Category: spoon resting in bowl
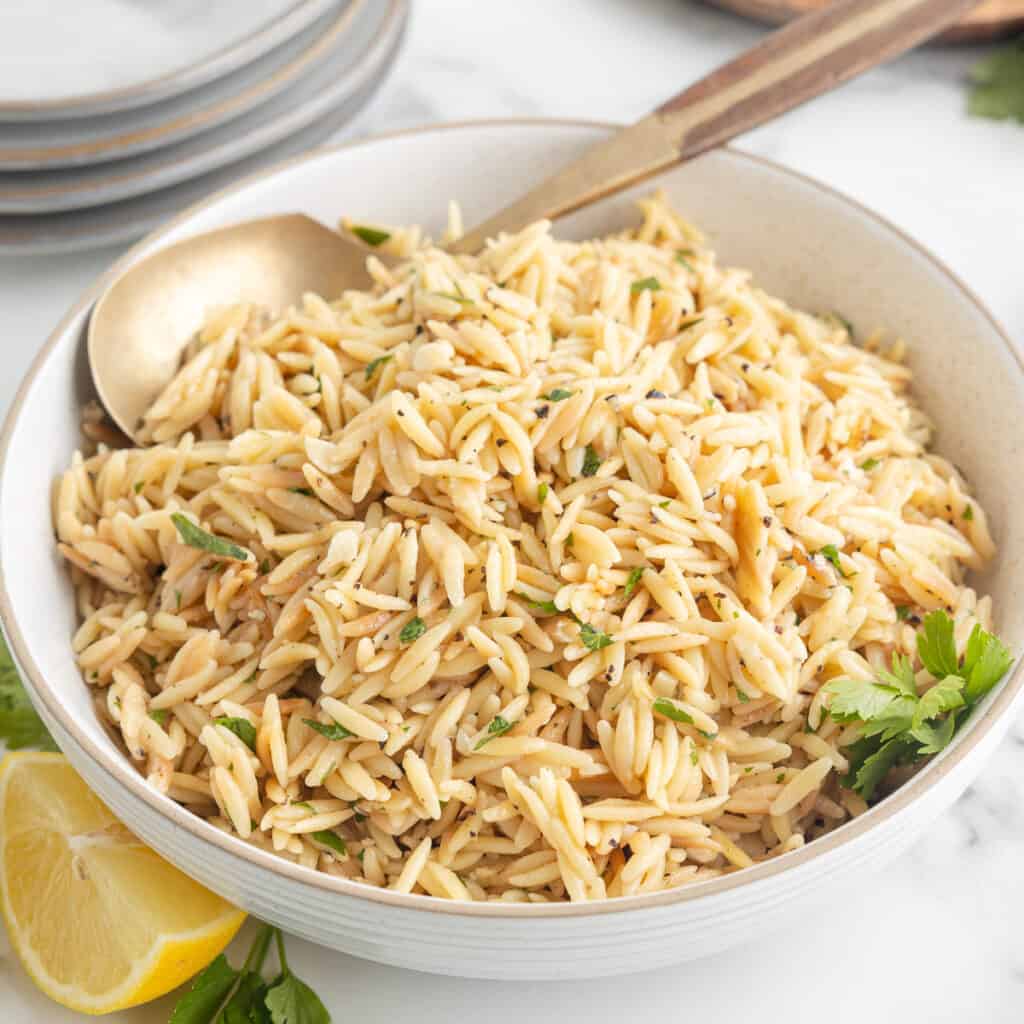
141,325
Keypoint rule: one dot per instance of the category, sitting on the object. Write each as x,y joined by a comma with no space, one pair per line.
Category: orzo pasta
532,566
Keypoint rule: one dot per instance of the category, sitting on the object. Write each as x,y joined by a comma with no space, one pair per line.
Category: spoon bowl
141,325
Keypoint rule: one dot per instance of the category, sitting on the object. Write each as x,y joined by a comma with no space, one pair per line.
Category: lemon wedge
99,921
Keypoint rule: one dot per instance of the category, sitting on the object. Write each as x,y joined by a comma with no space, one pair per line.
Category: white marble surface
937,937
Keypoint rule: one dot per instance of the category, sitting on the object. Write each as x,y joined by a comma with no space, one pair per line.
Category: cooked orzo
521,575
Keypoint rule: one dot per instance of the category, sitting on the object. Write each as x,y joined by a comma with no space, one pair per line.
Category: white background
936,938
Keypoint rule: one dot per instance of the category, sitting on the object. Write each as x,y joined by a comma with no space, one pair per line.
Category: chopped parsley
968,513
832,554
557,395
333,730
331,840
541,606
903,612
898,725
242,728
301,490
594,639
196,537
668,708
591,461
137,487
160,715
412,630
631,581
371,236
497,727
843,322
542,493
869,464
373,365
645,284
744,698
681,259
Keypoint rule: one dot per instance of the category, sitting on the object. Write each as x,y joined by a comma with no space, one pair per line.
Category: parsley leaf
858,699
557,395
20,726
986,661
631,582
591,461
498,727
412,630
242,728
645,284
832,554
935,646
874,767
668,708
246,1005
333,730
681,259
208,992
968,513
594,639
196,537
901,676
371,236
869,464
998,85
944,696
160,715
843,322
290,1000
331,840
373,364
903,612
542,493
541,606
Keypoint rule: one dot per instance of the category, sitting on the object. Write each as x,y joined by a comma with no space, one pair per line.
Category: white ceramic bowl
804,242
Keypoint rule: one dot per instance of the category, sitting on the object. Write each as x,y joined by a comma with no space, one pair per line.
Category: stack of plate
114,114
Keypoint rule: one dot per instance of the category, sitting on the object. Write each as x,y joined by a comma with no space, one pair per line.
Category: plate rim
111,763
229,58
180,127
225,145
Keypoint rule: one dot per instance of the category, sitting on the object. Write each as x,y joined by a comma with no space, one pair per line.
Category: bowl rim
120,771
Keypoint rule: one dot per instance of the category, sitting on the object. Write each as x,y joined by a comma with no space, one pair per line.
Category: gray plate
124,222
88,57
45,145
358,57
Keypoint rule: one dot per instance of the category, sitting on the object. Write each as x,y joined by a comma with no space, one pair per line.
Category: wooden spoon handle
809,56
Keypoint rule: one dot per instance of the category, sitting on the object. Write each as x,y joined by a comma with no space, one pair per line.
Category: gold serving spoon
141,325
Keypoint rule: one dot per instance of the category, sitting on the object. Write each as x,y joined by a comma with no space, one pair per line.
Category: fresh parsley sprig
897,725
223,995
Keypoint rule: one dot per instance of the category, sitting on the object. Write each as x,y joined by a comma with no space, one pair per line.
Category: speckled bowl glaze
803,242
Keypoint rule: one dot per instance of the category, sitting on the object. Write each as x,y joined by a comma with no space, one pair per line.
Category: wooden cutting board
989,21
